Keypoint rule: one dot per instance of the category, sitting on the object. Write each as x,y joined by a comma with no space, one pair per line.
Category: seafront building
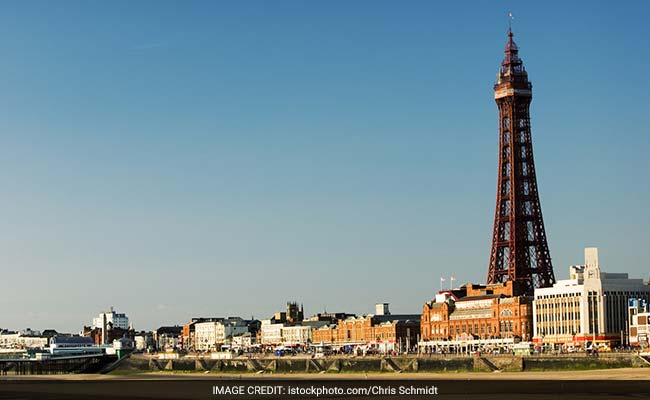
188,333
168,338
382,330
271,332
476,312
143,341
211,335
592,305
206,333
24,339
639,329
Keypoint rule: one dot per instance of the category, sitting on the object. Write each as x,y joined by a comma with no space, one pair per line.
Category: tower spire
511,66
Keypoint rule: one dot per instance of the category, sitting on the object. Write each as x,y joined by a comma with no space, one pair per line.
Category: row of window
546,305
559,329
479,329
544,317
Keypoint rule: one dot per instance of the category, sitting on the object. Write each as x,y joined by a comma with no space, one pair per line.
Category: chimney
104,328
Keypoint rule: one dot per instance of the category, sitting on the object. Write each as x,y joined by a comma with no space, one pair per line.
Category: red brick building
478,312
388,330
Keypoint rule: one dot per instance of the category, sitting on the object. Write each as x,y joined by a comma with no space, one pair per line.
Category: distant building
189,335
301,334
30,332
115,319
212,335
590,305
296,334
188,341
244,340
59,342
271,332
332,318
639,329
144,341
23,340
168,338
386,332
108,335
294,314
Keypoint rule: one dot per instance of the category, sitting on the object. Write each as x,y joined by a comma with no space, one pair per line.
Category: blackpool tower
519,249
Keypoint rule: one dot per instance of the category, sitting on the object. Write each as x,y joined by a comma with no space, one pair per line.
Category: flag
442,279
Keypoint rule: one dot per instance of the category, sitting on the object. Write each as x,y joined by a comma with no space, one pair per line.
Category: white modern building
271,333
117,320
297,334
211,335
591,305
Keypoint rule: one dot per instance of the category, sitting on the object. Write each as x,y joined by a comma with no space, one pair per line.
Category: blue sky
176,159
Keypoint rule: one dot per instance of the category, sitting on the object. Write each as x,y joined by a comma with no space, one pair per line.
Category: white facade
243,340
19,341
209,335
590,305
123,344
118,320
140,343
271,333
296,334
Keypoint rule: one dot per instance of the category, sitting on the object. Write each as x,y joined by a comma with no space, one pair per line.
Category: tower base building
480,314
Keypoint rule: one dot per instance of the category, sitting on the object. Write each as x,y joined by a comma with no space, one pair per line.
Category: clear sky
177,159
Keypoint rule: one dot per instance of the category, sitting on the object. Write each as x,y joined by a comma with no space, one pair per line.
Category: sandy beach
590,375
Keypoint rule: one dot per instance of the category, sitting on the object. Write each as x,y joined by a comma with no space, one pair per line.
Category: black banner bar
345,389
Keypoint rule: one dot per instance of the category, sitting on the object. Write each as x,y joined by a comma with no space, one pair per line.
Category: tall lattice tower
519,248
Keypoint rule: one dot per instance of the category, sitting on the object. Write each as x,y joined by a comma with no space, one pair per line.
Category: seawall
288,365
